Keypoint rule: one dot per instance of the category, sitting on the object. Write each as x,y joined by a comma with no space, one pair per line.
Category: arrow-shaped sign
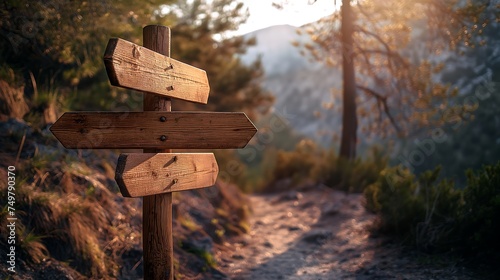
160,130
148,174
132,66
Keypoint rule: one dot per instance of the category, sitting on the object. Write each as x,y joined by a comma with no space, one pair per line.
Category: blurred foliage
199,39
351,175
469,138
309,163
57,47
252,167
297,164
422,211
479,217
207,256
437,217
471,133
397,45
63,42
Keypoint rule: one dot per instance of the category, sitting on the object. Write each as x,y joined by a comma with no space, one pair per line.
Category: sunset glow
294,12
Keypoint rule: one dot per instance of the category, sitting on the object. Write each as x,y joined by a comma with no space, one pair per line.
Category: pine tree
58,45
199,40
394,64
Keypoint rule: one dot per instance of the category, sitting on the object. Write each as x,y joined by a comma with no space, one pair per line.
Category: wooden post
157,209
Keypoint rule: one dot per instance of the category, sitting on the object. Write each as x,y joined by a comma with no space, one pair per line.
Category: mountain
302,87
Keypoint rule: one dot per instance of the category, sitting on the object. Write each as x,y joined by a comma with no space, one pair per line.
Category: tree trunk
349,118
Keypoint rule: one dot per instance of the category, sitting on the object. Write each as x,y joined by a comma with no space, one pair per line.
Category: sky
294,12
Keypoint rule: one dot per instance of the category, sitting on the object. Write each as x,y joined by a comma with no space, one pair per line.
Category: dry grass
66,212
32,245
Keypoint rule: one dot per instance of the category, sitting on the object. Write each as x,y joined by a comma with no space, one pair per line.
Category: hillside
73,223
302,87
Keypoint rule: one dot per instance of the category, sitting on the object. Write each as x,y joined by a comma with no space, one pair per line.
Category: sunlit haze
294,12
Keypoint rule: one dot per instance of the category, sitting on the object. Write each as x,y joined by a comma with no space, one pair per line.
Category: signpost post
157,238
157,172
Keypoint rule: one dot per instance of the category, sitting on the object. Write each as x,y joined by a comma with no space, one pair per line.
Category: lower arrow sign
160,130
149,174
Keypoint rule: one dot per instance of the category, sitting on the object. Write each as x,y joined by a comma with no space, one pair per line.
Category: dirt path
320,234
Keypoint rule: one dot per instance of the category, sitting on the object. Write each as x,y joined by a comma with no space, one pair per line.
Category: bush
297,164
392,197
350,175
434,215
479,216
423,212
310,163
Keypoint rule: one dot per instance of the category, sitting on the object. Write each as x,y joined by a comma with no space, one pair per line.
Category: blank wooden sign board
154,129
157,172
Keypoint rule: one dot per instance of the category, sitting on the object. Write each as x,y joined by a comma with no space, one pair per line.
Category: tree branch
383,100
389,51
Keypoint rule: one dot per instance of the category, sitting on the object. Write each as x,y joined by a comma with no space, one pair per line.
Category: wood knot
80,120
83,130
135,52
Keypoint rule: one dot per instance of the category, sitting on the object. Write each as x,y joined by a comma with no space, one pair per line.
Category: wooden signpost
157,172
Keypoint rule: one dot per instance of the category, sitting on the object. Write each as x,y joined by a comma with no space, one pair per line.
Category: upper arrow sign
131,66
153,129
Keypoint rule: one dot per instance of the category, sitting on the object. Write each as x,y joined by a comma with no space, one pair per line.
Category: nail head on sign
163,138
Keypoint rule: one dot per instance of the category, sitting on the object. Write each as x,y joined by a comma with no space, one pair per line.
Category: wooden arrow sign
153,129
148,174
131,66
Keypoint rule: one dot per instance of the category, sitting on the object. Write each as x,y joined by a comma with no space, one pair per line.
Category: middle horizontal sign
160,130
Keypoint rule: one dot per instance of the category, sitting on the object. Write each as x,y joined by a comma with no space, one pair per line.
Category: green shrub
297,164
423,212
392,197
434,215
479,217
350,175
204,254
310,163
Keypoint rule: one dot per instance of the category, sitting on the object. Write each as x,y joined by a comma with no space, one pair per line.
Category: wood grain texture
181,130
131,66
147,174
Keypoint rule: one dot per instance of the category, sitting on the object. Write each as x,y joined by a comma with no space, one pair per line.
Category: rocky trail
320,233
